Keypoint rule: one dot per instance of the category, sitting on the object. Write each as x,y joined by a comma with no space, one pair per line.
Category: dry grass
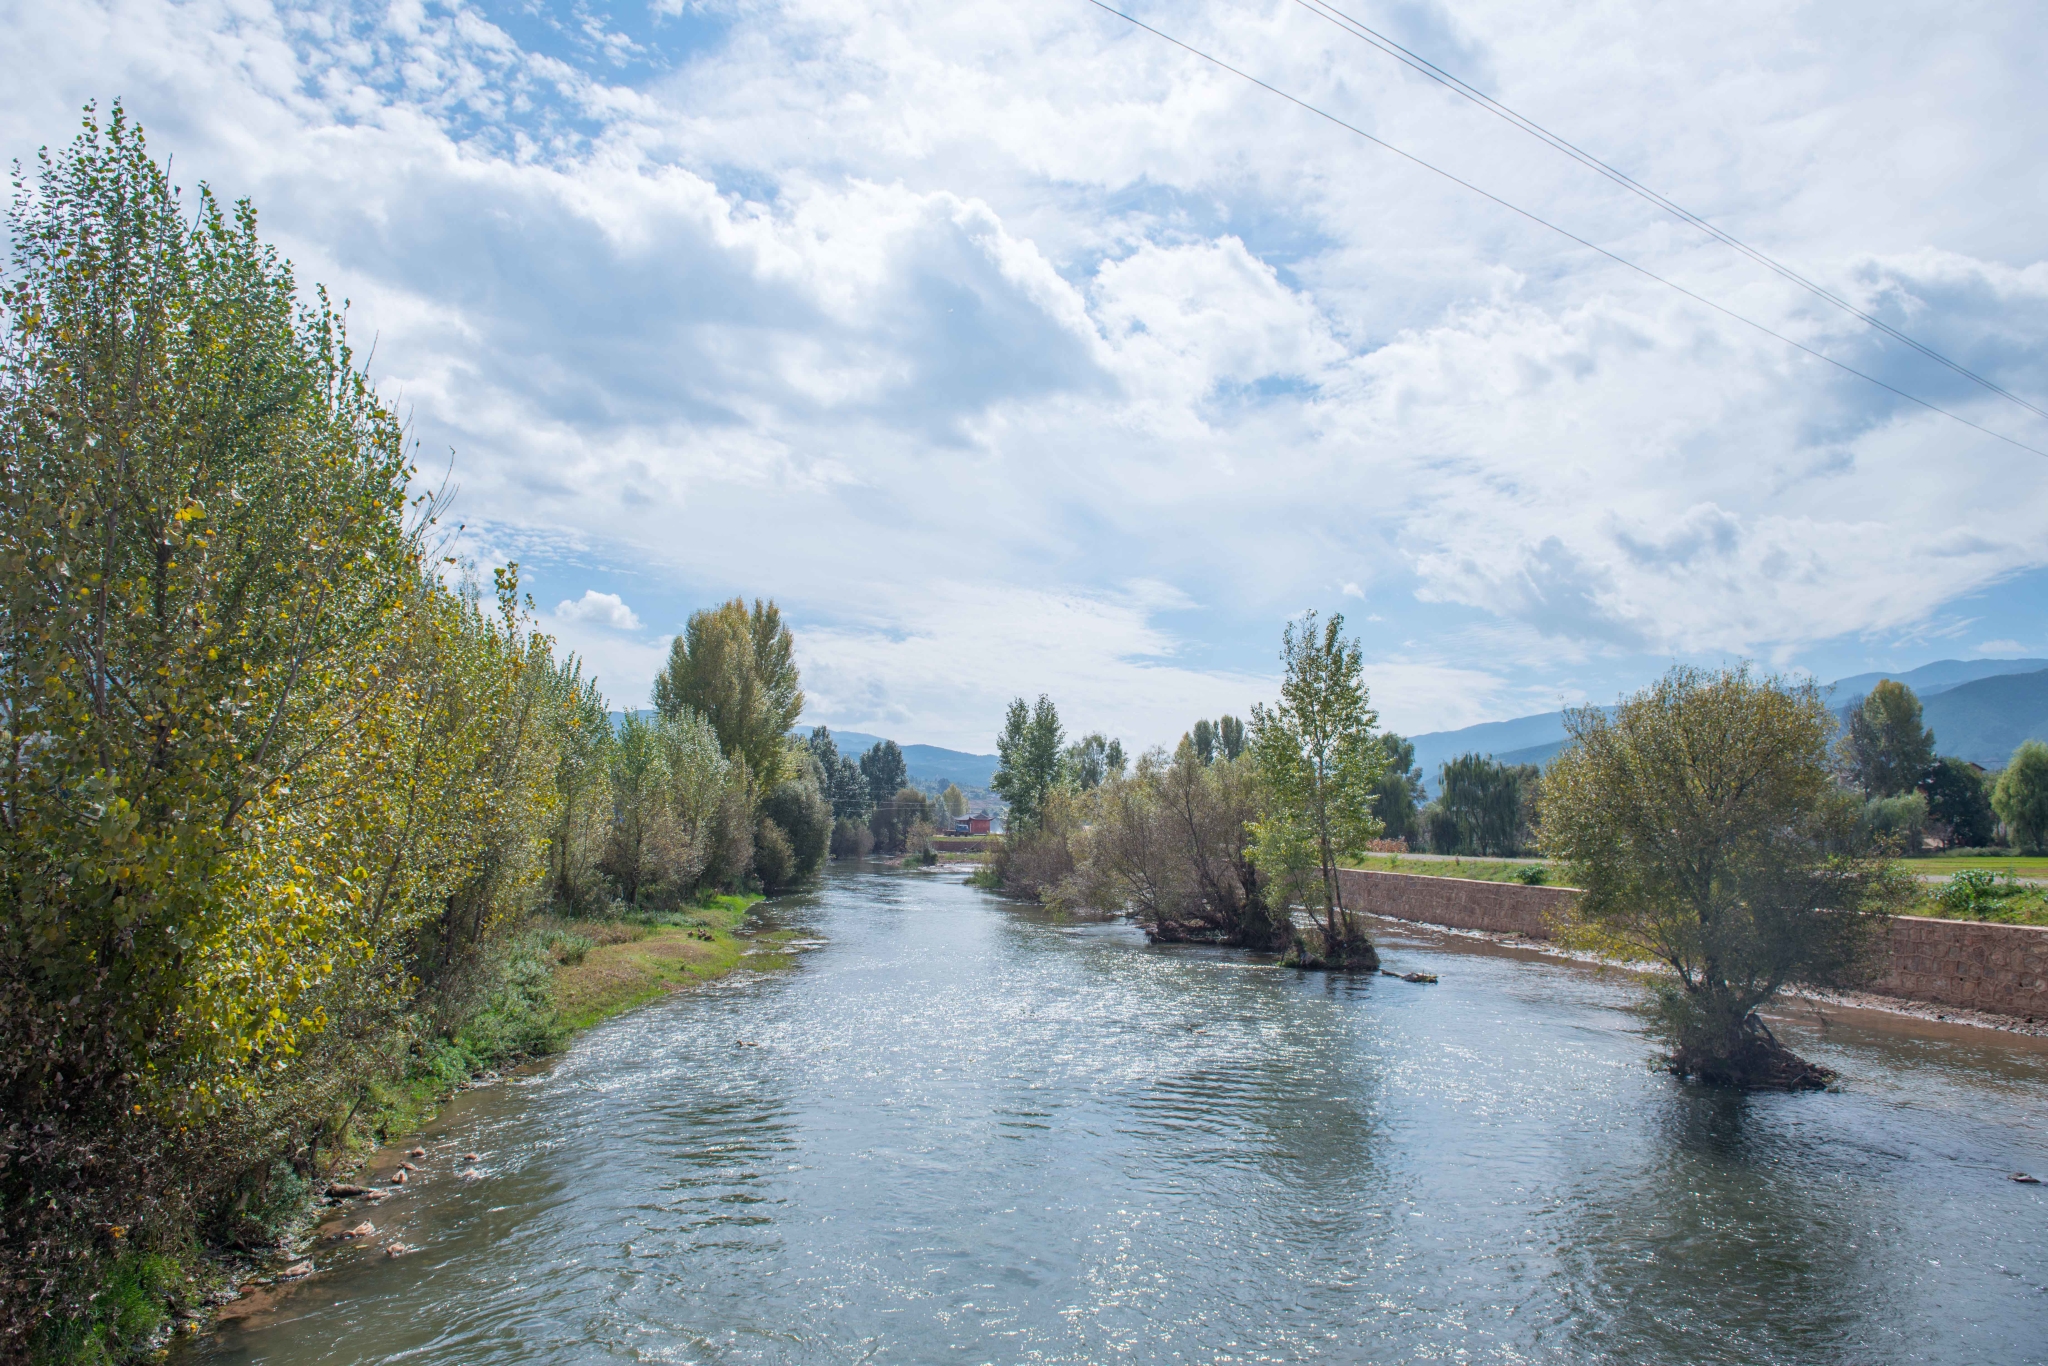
633,963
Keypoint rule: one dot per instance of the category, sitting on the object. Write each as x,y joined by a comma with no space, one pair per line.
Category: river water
962,1130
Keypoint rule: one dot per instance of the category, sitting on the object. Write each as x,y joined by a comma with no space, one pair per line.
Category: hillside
1984,721
926,763
1979,709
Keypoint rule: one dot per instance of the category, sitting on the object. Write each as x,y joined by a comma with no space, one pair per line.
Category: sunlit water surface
972,1132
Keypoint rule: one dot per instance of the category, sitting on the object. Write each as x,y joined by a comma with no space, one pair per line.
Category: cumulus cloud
1013,350
598,609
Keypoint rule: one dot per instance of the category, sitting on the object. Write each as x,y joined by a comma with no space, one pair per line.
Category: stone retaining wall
1460,902
1967,963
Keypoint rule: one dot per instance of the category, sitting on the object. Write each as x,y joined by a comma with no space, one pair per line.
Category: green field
1478,869
1990,860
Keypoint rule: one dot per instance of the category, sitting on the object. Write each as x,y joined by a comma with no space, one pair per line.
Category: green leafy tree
1030,762
1485,799
1395,800
799,810
1959,799
1203,738
954,801
1704,824
893,820
1113,761
737,669
1230,736
1321,766
2021,798
1887,749
885,772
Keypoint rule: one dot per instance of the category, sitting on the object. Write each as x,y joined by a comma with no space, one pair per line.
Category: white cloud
598,609
1015,350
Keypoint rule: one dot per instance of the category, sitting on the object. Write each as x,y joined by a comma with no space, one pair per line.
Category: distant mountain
926,763
1929,680
1979,709
1985,720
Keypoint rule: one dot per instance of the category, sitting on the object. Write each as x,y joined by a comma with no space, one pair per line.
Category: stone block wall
2002,968
1967,963
1461,903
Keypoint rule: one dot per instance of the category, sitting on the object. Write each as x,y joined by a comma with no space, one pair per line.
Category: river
958,1129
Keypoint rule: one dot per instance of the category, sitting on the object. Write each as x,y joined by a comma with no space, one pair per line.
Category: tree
886,773
893,819
1887,751
1703,822
1087,760
1230,736
1394,801
954,801
1958,798
1485,799
800,812
737,669
1321,765
841,780
1203,738
2021,798
1169,847
1030,764
1113,761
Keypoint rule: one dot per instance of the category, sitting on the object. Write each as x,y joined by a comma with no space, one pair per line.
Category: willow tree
1320,764
1704,823
736,668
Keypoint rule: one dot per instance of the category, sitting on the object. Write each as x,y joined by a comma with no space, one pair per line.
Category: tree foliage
1320,765
2021,797
1959,799
1031,764
1169,845
1702,820
1887,750
736,668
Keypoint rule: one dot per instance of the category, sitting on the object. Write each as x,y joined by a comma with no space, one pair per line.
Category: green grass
1991,860
1535,872
1976,893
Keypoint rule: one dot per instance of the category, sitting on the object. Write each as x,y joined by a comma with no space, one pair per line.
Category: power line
1374,38
1644,271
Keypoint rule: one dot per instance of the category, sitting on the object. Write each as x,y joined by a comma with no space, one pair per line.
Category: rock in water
397,1249
362,1230
2026,1180
398,1177
296,1270
471,1157
472,1174
345,1191
417,1152
1418,977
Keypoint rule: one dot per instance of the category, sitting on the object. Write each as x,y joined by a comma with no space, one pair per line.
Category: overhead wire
1564,232
1374,38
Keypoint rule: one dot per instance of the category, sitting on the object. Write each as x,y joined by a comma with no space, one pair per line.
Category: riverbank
561,978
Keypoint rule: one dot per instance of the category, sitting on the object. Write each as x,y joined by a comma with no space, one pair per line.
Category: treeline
1885,754
874,807
281,789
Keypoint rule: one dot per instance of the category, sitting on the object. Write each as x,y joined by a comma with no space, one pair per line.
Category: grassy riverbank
557,977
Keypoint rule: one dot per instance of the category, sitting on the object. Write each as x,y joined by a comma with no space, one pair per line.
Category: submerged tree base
1757,1062
1313,951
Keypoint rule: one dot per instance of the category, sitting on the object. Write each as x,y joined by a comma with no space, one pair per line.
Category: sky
1013,349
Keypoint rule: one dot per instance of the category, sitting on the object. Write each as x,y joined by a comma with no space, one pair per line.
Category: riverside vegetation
299,823
1702,817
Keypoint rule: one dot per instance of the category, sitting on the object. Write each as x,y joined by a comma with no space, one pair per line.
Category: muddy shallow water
958,1129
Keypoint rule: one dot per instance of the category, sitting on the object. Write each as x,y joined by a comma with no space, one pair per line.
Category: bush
774,860
851,839
1895,825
